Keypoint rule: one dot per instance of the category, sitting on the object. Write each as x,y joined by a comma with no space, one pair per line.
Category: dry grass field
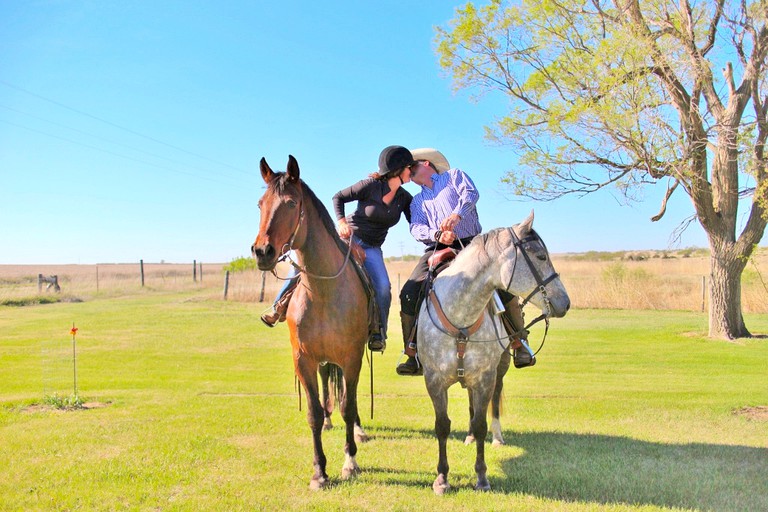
668,280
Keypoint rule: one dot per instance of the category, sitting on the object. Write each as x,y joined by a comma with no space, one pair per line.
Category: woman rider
381,199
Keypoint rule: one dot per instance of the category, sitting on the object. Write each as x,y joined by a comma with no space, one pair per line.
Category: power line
111,152
115,125
207,171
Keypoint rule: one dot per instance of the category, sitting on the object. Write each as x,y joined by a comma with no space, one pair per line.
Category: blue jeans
374,265
293,276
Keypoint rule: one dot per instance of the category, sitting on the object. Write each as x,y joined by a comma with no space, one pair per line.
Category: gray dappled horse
514,259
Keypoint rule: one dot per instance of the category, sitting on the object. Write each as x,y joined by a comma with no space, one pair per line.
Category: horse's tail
335,382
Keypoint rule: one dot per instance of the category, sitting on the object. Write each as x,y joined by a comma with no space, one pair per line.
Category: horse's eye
541,257
291,203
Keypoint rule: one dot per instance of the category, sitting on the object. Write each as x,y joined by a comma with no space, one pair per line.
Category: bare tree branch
663,210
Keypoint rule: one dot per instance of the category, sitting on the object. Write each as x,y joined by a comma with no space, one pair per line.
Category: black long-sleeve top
372,219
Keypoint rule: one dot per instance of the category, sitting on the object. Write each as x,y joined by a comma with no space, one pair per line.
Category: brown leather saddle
441,257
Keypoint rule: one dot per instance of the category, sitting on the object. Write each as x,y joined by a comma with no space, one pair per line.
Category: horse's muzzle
558,310
266,256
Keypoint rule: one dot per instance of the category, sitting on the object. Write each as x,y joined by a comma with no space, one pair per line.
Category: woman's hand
343,228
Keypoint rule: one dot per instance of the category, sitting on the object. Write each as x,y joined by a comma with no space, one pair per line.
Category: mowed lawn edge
198,410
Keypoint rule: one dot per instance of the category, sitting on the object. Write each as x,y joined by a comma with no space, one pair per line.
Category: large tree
629,94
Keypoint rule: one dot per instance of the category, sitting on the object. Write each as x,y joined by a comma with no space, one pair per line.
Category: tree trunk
725,318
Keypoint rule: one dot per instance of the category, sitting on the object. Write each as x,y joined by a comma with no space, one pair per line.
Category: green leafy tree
628,94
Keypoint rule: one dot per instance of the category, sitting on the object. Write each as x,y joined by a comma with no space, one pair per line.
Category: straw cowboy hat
434,156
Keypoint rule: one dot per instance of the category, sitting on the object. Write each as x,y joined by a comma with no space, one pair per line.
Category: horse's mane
279,182
492,244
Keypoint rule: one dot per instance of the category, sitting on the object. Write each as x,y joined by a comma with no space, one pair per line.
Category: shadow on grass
612,470
618,470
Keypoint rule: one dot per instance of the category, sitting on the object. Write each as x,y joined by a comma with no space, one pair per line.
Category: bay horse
514,259
328,314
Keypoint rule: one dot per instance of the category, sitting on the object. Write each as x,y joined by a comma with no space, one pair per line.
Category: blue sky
133,130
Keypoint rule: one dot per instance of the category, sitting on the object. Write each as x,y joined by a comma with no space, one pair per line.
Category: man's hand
449,223
447,237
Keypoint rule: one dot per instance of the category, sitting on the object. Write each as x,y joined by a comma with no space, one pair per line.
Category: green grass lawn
624,411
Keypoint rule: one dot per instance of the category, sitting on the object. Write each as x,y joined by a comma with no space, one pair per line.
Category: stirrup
271,317
376,343
523,356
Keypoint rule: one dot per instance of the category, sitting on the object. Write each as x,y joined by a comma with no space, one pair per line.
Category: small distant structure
635,256
52,281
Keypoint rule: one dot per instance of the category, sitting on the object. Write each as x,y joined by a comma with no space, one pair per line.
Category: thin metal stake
74,355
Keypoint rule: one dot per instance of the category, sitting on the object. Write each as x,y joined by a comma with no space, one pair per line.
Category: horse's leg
325,370
482,396
439,395
470,438
360,435
307,371
501,371
349,411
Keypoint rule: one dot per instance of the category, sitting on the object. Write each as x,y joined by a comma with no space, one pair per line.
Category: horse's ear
527,225
293,169
266,171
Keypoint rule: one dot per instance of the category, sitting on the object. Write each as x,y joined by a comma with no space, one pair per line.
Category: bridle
540,282
463,333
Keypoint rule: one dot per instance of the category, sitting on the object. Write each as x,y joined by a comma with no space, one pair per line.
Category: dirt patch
95,405
33,408
756,413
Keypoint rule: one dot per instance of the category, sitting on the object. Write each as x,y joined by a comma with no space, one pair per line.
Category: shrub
241,264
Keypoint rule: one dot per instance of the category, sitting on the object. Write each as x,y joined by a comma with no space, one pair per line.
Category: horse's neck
320,254
465,288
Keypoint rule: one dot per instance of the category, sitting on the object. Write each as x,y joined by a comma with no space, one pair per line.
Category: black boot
410,367
513,321
523,356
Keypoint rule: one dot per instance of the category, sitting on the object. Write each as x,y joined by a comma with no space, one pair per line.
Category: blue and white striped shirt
452,192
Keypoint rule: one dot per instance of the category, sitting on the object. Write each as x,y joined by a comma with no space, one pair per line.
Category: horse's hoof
441,485
317,484
469,440
484,486
349,473
497,442
327,424
350,469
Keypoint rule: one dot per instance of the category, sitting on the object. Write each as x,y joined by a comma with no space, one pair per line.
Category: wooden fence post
194,270
39,283
141,264
226,284
703,291
201,271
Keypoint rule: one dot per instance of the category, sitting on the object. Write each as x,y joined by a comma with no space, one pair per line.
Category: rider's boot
411,366
277,313
377,342
512,318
